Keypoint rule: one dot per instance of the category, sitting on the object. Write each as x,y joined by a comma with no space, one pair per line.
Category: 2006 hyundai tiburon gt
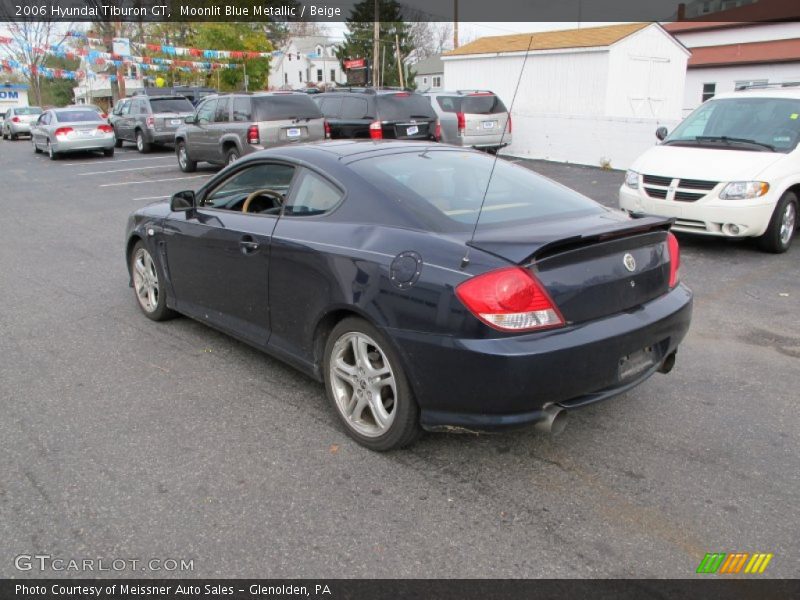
357,263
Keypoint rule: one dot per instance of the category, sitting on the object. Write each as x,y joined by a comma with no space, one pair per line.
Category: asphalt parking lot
124,438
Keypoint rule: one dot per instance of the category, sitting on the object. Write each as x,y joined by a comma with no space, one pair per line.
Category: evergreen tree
358,39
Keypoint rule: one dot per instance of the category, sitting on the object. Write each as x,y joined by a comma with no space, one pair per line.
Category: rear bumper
501,383
160,137
19,128
103,143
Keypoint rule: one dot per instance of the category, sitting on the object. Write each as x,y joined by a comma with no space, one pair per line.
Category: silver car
473,118
17,121
228,126
73,129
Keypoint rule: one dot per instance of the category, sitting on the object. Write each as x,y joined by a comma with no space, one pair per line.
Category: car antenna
465,259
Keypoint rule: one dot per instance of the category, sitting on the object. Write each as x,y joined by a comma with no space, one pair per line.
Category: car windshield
278,107
767,124
403,106
28,110
177,105
477,104
445,188
76,116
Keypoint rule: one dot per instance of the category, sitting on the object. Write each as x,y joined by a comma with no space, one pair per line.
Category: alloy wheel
139,142
788,221
363,384
182,156
145,280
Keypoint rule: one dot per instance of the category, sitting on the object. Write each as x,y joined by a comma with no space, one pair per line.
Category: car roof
460,93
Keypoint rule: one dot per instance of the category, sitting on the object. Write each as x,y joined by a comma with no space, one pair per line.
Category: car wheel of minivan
186,164
782,225
142,145
231,156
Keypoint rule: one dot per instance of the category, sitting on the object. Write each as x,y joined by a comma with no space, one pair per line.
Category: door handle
248,245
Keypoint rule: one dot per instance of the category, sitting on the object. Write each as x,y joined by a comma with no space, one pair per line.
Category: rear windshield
28,110
403,106
289,106
75,116
179,105
445,188
484,104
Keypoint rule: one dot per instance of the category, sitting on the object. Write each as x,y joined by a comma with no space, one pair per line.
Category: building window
437,82
319,74
319,50
424,81
285,78
333,75
709,89
289,56
300,76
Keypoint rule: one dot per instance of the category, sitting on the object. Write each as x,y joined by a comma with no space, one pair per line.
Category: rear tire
231,156
108,152
780,231
186,164
368,388
142,145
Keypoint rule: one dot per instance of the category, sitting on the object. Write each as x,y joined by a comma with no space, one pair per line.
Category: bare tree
30,41
429,39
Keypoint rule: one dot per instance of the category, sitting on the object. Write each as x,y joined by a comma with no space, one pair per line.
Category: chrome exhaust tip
554,420
668,363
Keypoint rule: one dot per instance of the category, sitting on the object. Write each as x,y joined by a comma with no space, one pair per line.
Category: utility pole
399,61
455,24
376,46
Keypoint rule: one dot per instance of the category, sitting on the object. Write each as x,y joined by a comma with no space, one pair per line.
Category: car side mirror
181,201
190,120
661,132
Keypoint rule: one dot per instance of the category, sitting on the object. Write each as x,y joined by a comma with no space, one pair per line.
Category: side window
232,193
242,110
126,108
205,112
447,103
330,107
222,113
354,108
141,108
313,196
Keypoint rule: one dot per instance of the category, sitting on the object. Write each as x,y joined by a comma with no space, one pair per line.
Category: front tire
117,142
186,164
148,284
142,145
780,231
368,388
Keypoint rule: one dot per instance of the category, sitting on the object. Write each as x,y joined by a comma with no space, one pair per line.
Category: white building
429,74
726,55
306,60
592,96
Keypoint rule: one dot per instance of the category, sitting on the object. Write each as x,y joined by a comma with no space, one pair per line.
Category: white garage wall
611,141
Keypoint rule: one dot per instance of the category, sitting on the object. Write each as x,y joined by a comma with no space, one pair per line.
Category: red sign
356,63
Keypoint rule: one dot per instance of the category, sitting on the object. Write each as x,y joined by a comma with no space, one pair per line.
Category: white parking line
121,170
117,161
151,181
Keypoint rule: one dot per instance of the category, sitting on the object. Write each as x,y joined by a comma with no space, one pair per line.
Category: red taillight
376,130
509,122
105,128
103,115
15,119
510,299
402,95
438,131
63,131
674,259
252,135
327,130
151,122
462,123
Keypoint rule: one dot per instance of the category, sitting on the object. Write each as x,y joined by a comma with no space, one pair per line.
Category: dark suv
147,120
378,114
228,126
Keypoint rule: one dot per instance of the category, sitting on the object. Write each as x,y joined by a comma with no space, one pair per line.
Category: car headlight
632,179
743,190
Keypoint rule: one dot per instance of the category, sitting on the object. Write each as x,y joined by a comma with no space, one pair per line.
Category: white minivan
730,169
